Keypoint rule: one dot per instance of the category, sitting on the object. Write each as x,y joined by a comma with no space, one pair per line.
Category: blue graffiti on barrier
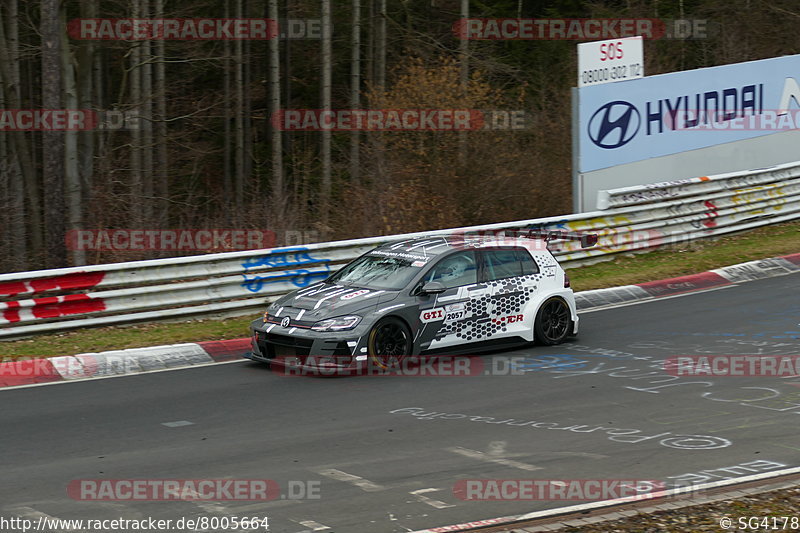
283,258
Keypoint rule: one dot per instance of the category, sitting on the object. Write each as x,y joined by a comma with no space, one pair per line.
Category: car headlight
340,323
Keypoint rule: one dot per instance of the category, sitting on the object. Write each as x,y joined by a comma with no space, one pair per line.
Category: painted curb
604,504
142,360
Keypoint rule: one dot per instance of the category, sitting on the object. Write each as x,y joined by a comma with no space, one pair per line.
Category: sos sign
611,51
609,61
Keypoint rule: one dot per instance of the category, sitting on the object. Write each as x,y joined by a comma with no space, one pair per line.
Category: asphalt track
383,471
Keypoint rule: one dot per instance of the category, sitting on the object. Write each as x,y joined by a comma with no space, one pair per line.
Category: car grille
272,346
305,324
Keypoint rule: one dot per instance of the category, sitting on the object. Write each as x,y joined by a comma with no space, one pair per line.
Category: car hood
325,300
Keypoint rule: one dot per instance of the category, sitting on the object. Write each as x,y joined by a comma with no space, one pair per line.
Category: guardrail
236,283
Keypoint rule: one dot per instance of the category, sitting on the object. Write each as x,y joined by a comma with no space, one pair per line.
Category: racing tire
389,342
553,322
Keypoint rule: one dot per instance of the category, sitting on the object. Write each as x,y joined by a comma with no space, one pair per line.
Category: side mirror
432,287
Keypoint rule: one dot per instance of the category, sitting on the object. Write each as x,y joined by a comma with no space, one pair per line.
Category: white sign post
610,61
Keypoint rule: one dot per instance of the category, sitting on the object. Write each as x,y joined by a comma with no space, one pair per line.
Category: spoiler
587,239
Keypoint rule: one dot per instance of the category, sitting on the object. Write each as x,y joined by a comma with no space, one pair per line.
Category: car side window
529,265
455,270
508,263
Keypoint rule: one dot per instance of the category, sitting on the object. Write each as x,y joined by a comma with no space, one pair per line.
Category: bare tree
325,84
355,90
137,185
148,146
463,55
161,175
278,193
52,141
227,103
11,173
72,178
239,176
380,61
86,96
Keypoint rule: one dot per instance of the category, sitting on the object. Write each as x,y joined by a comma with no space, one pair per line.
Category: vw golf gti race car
449,294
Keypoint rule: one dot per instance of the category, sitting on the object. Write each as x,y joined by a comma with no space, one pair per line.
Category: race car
450,294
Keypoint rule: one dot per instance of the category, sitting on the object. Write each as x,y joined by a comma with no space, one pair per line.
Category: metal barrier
237,283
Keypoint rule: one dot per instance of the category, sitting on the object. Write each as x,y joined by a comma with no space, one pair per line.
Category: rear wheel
389,342
553,322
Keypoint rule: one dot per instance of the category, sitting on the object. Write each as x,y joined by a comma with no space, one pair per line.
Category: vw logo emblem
614,124
285,322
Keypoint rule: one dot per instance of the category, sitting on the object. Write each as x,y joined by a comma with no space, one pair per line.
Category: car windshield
378,272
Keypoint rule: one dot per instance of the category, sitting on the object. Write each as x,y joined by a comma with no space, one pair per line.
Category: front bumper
273,344
311,365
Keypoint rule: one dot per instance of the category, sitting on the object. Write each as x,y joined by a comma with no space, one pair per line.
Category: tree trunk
287,88
239,127
227,102
278,190
148,146
463,54
72,179
52,141
355,90
325,83
87,100
137,189
161,175
10,167
380,61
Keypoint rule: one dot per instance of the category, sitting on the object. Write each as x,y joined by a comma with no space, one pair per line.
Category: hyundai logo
285,322
614,124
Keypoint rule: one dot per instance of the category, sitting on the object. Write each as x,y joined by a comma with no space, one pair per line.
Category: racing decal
316,289
487,312
354,294
432,315
447,314
330,295
508,319
455,312
550,271
401,255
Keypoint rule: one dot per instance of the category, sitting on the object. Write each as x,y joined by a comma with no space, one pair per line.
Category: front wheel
553,322
389,342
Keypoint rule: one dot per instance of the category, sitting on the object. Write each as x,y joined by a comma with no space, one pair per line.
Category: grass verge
691,258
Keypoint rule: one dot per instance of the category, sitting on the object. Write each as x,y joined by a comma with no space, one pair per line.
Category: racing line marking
430,501
481,456
360,482
312,525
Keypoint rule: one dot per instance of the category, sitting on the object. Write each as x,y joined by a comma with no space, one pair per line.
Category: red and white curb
712,279
695,492
156,358
119,362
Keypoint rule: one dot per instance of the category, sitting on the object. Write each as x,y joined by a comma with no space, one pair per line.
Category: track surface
380,471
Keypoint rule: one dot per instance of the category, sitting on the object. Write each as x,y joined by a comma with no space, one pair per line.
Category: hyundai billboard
666,114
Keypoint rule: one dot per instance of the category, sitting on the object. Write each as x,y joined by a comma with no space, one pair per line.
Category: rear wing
587,240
